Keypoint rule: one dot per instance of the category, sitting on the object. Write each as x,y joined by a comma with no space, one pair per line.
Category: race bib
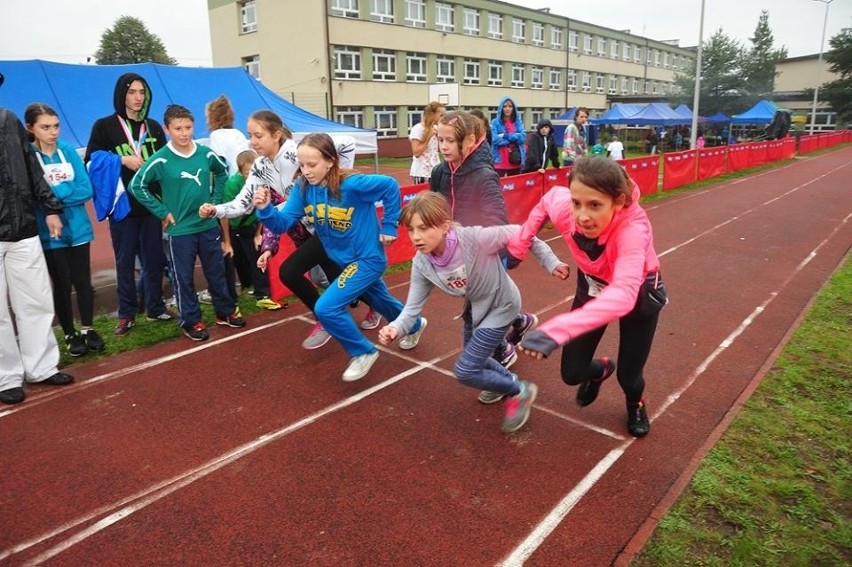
456,281
596,286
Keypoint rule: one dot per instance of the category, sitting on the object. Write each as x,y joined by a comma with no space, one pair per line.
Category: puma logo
186,175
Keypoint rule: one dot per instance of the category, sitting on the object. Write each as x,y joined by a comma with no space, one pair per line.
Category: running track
246,450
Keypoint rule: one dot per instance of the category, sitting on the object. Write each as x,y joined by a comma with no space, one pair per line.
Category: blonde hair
246,157
463,125
433,208
430,118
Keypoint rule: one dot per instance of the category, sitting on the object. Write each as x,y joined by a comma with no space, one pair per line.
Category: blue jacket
76,225
347,226
501,139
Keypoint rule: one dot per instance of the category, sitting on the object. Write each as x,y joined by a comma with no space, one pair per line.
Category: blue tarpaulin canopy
761,113
657,114
718,118
685,112
618,114
81,94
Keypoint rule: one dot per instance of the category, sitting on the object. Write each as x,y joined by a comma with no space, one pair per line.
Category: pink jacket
628,257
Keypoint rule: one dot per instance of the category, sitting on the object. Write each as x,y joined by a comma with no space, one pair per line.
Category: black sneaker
76,344
196,331
58,379
12,395
94,342
637,419
588,390
235,319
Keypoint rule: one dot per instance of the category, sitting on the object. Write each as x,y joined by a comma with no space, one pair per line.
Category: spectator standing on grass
574,140
183,170
118,146
508,138
465,262
472,188
615,149
652,140
424,143
618,279
69,256
31,354
542,148
340,206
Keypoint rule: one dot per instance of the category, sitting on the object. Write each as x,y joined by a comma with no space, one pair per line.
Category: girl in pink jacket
618,279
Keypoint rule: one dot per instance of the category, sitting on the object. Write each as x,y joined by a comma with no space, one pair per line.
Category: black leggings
292,272
70,267
636,334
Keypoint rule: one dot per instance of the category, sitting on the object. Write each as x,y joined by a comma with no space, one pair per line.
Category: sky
71,30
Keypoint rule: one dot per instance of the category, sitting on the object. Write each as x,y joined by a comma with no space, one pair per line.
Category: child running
183,170
618,279
340,208
465,262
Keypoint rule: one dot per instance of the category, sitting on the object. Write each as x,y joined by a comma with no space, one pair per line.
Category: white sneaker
410,340
205,297
360,366
371,320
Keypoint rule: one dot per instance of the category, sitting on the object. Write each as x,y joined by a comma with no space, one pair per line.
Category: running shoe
371,320
360,366
506,355
518,407
638,423
522,324
410,340
316,338
196,331
268,303
76,344
235,319
124,326
588,390
94,342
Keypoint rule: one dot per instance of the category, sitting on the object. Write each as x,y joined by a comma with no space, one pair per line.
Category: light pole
693,132
819,65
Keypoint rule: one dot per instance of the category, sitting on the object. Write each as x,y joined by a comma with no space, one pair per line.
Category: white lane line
532,542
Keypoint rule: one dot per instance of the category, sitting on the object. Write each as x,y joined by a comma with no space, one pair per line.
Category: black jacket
541,149
22,184
473,190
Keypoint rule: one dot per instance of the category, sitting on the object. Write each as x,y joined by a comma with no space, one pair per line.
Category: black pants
242,240
636,334
292,272
70,267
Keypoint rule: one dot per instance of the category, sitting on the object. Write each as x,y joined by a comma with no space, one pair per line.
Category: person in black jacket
34,354
542,148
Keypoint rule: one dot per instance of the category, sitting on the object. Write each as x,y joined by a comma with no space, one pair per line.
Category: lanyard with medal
135,144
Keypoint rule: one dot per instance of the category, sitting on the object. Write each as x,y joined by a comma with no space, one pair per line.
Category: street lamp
693,133
819,64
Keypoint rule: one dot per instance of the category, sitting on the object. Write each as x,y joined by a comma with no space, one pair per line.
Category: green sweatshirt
232,188
185,186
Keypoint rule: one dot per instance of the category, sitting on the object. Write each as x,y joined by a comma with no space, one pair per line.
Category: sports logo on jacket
338,218
196,177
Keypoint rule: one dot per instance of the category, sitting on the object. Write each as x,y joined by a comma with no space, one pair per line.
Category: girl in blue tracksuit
340,207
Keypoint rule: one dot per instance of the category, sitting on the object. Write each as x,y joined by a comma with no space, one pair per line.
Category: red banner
554,177
788,148
645,171
738,157
757,154
679,169
711,162
521,193
775,151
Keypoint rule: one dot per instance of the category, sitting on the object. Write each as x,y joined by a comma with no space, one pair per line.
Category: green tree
721,80
759,61
129,41
838,93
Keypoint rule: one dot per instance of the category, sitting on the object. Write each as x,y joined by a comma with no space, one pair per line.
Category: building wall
304,50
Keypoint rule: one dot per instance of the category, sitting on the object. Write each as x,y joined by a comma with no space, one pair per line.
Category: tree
129,41
721,81
838,93
758,65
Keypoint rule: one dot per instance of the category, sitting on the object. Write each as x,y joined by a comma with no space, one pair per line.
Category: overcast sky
70,31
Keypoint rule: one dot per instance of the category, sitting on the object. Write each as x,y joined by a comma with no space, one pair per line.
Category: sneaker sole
311,346
489,401
197,339
533,393
371,326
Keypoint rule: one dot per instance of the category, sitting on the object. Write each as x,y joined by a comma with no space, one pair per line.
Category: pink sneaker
371,320
316,338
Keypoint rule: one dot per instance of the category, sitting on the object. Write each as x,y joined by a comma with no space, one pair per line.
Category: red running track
247,450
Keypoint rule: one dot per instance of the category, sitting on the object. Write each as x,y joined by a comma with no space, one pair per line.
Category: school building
376,63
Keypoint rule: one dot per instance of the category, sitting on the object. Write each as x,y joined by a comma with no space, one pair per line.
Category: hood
541,124
120,94
500,108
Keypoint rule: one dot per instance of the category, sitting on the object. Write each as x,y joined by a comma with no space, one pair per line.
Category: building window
471,21
656,58
654,87
648,58
538,35
252,66
637,54
587,82
415,68
519,33
555,79
415,13
599,83
625,85
666,60
555,37
601,46
626,49
613,49
517,75
495,26
675,62
587,43
385,117
613,84
495,74
350,115
572,80
444,17
446,69
384,65
573,40
471,72
347,63
382,11
636,89
415,115
345,8
536,78
537,115
248,16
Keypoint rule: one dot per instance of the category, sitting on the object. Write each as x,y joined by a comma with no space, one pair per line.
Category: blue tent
81,94
761,113
686,112
560,123
657,114
718,118
619,114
